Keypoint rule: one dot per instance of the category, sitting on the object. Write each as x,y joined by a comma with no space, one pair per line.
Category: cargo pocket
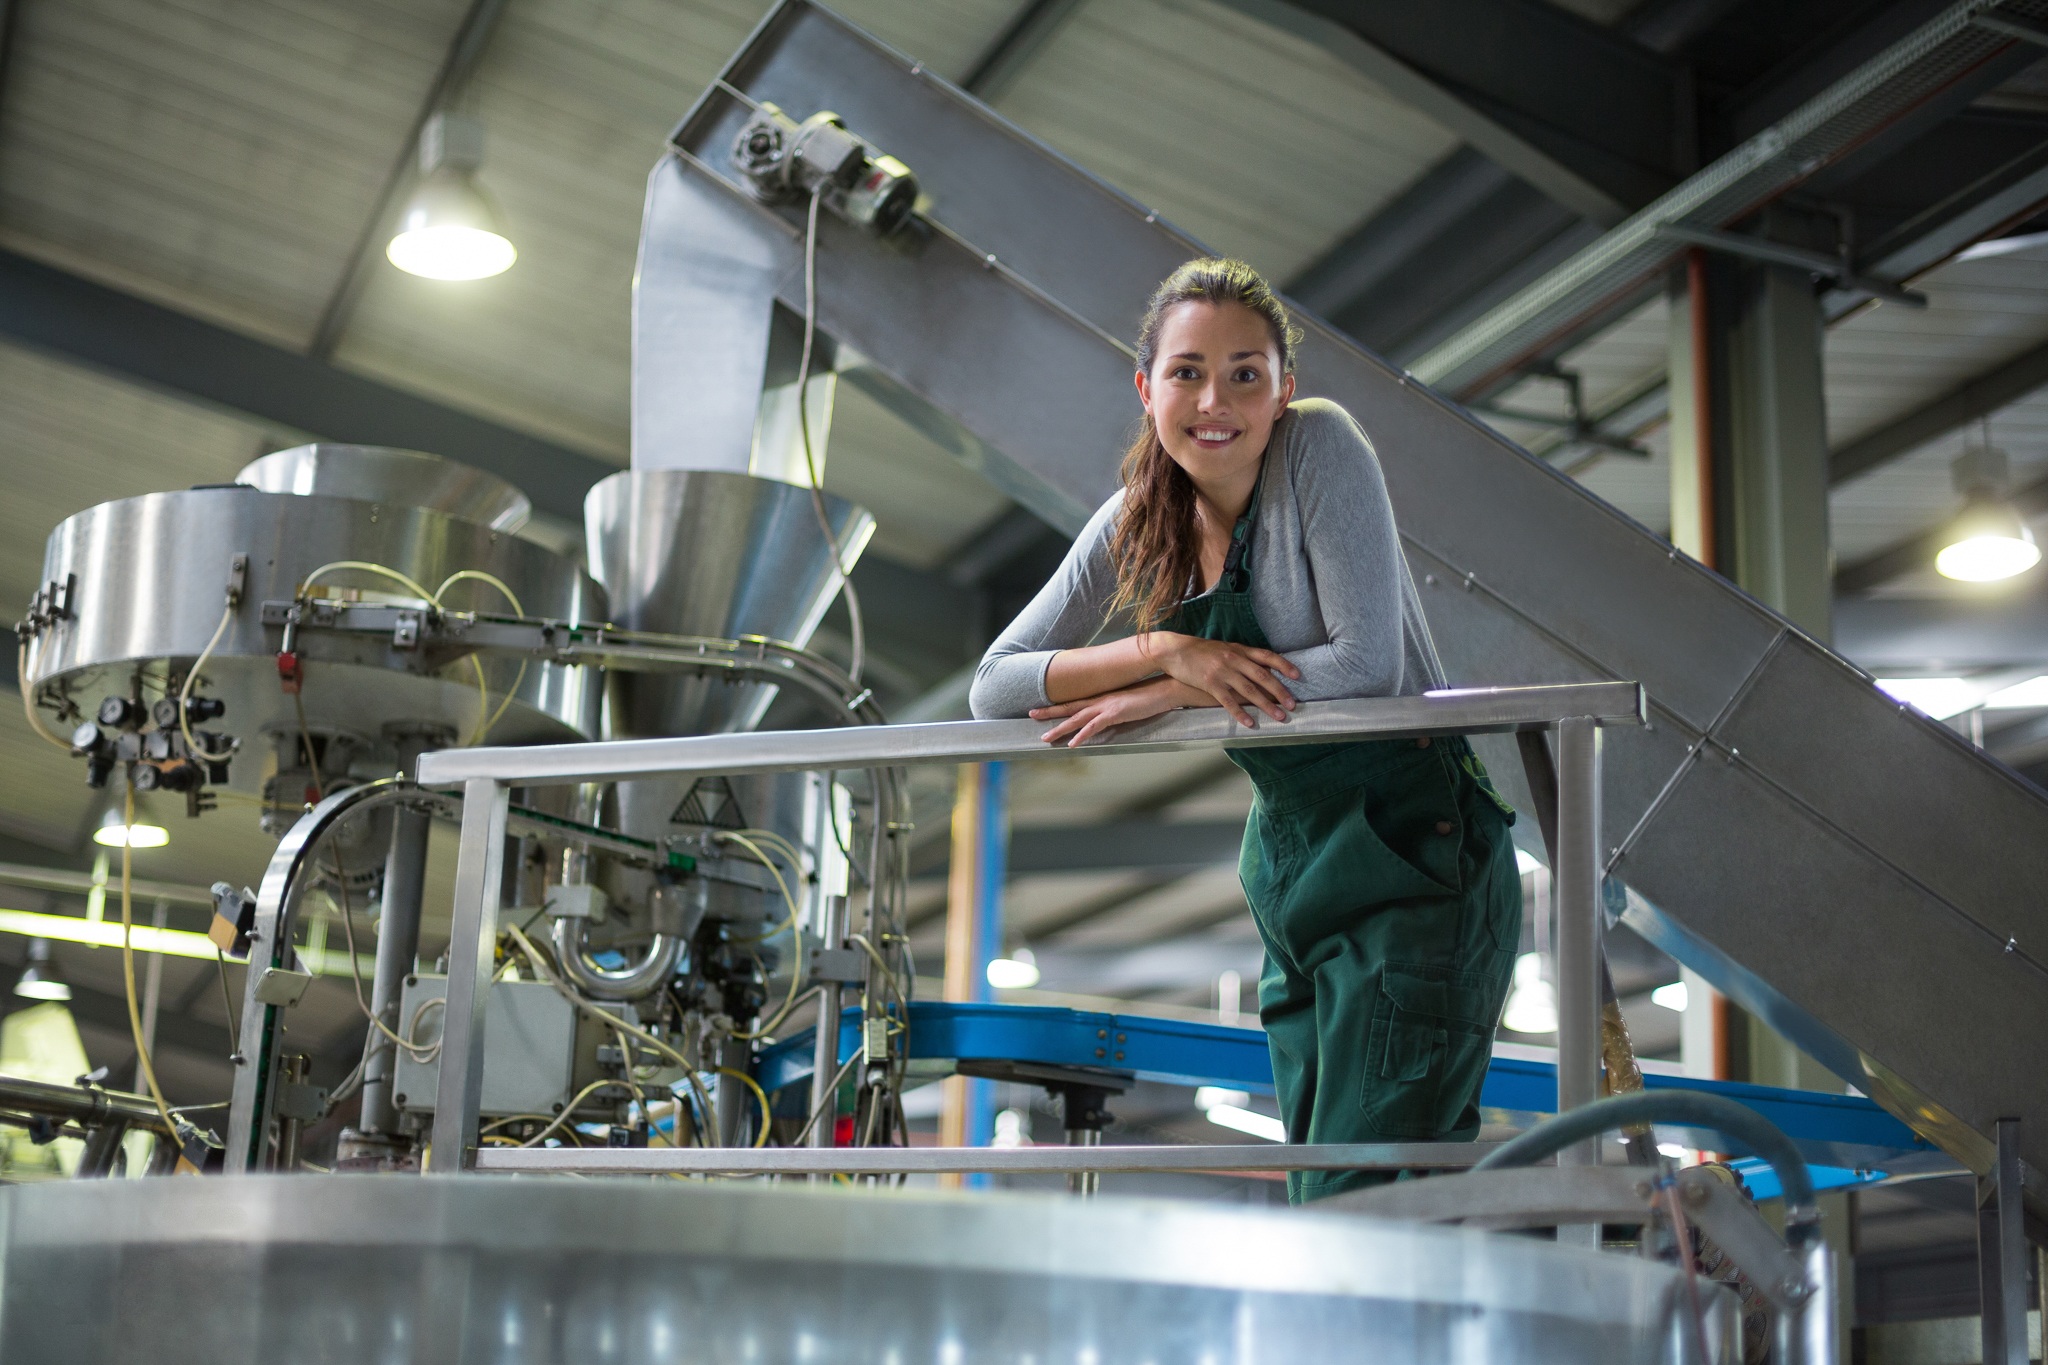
1427,1052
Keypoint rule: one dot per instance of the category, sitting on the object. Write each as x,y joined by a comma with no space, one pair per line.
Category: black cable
1693,1109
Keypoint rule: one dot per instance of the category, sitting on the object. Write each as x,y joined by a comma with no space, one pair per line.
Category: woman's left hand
1081,721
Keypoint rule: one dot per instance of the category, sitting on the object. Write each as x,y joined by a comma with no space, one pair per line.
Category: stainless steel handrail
1577,711
1048,1160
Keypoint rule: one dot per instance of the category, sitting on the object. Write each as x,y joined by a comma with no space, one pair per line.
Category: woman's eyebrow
1189,355
1247,355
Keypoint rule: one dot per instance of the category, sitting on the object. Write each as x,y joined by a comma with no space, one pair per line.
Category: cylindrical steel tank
149,579
468,1270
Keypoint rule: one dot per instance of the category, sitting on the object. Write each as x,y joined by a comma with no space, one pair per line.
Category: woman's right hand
1235,675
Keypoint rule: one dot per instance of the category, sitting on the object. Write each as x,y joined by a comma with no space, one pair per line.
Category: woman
1253,555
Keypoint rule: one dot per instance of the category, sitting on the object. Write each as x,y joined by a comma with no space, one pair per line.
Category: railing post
1578,924
472,945
2002,1254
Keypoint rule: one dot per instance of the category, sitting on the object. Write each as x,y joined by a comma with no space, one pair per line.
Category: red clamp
289,673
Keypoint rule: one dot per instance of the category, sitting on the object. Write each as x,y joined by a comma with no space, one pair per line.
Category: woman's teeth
1214,438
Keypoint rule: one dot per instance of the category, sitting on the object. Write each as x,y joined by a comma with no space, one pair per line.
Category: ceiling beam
472,35
1014,48
1584,115
1959,407
134,339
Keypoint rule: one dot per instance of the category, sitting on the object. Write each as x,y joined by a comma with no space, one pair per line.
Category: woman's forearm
1095,669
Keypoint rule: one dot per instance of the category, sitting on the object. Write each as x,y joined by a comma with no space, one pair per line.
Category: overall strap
1235,576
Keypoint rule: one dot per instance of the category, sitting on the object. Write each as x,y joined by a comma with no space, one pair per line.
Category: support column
398,945
472,949
2002,1254
974,934
1778,433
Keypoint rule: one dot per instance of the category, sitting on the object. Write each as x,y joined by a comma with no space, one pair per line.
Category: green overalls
1384,886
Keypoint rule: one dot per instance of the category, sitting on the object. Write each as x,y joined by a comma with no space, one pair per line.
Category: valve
96,747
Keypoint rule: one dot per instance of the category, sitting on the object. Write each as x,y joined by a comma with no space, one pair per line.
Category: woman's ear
1286,391
1144,389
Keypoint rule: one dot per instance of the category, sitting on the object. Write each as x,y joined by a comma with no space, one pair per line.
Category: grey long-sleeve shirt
1330,585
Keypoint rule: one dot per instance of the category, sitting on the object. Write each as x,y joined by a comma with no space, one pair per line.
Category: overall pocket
1431,1038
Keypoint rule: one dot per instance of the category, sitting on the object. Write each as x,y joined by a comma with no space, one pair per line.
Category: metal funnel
407,478
707,552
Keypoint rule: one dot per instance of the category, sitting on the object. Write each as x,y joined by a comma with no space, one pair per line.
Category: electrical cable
803,421
28,699
821,1100
185,693
796,974
483,725
355,968
128,967
767,1115
567,1110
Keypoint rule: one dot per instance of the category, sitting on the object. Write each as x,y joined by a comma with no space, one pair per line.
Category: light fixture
1672,1150
1017,972
1671,997
1525,863
113,834
1987,541
1938,698
1242,1120
41,981
451,229
1532,1004
2032,692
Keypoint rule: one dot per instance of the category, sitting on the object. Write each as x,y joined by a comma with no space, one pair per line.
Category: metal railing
1575,711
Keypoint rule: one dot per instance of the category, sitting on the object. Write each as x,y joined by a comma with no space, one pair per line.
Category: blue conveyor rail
1846,1131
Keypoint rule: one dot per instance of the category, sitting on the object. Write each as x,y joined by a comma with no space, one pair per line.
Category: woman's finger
1058,710
1060,731
1264,690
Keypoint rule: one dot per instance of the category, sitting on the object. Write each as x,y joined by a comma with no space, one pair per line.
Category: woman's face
1215,389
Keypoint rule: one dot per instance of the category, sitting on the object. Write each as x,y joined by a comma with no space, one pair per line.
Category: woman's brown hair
1155,547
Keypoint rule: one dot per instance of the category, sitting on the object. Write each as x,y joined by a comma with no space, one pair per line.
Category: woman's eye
1184,372
1247,376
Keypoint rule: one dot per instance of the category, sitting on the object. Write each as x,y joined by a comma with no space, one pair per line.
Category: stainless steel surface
1525,576
634,982
2002,1255
195,1272
87,1105
1468,711
690,552
398,944
152,577
472,948
527,1068
1335,1156
1577,878
408,478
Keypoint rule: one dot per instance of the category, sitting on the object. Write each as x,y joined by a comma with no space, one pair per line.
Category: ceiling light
1525,864
451,229
1014,973
1532,1004
1207,1097
1672,1150
1671,997
113,834
2032,692
41,981
1246,1121
1988,541
1939,698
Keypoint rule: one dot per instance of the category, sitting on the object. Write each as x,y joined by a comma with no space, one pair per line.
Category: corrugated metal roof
1260,144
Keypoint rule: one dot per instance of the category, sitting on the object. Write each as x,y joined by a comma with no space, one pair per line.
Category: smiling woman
1251,561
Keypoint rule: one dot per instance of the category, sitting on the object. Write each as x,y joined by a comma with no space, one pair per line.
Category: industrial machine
830,211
